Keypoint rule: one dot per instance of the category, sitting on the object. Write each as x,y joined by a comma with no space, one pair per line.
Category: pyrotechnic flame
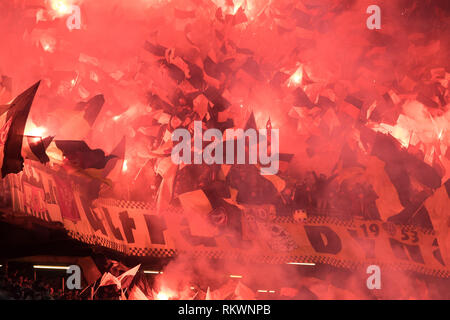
162,296
33,130
61,7
165,294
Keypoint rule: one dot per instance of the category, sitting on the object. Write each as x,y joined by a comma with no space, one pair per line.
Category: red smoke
324,50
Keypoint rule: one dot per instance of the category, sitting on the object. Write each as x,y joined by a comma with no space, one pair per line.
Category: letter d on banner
374,281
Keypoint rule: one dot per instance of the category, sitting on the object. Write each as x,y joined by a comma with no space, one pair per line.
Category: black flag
11,133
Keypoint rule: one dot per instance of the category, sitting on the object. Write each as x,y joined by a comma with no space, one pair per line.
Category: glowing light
249,7
398,132
61,7
302,263
36,131
266,291
165,293
235,276
125,165
296,78
237,5
34,139
162,296
116,118
47,48
48,43
33,130
152,272
50,267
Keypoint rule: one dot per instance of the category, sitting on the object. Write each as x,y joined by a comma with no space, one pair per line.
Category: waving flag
140,289
33,148
137,294
80,122
12,128
107,280
78,159
116,164
243,292
123,281
127,277
79,154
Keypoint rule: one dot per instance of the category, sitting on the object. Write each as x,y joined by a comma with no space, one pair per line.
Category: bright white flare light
61,7
162,296
38,132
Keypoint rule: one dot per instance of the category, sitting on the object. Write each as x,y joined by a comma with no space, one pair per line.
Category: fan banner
254,235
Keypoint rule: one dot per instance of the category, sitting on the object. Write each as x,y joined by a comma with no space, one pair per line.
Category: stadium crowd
17,286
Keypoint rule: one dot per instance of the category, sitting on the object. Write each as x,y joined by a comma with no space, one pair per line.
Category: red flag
66,200
119,153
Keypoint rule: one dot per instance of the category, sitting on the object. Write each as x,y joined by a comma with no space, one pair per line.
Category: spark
125,165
